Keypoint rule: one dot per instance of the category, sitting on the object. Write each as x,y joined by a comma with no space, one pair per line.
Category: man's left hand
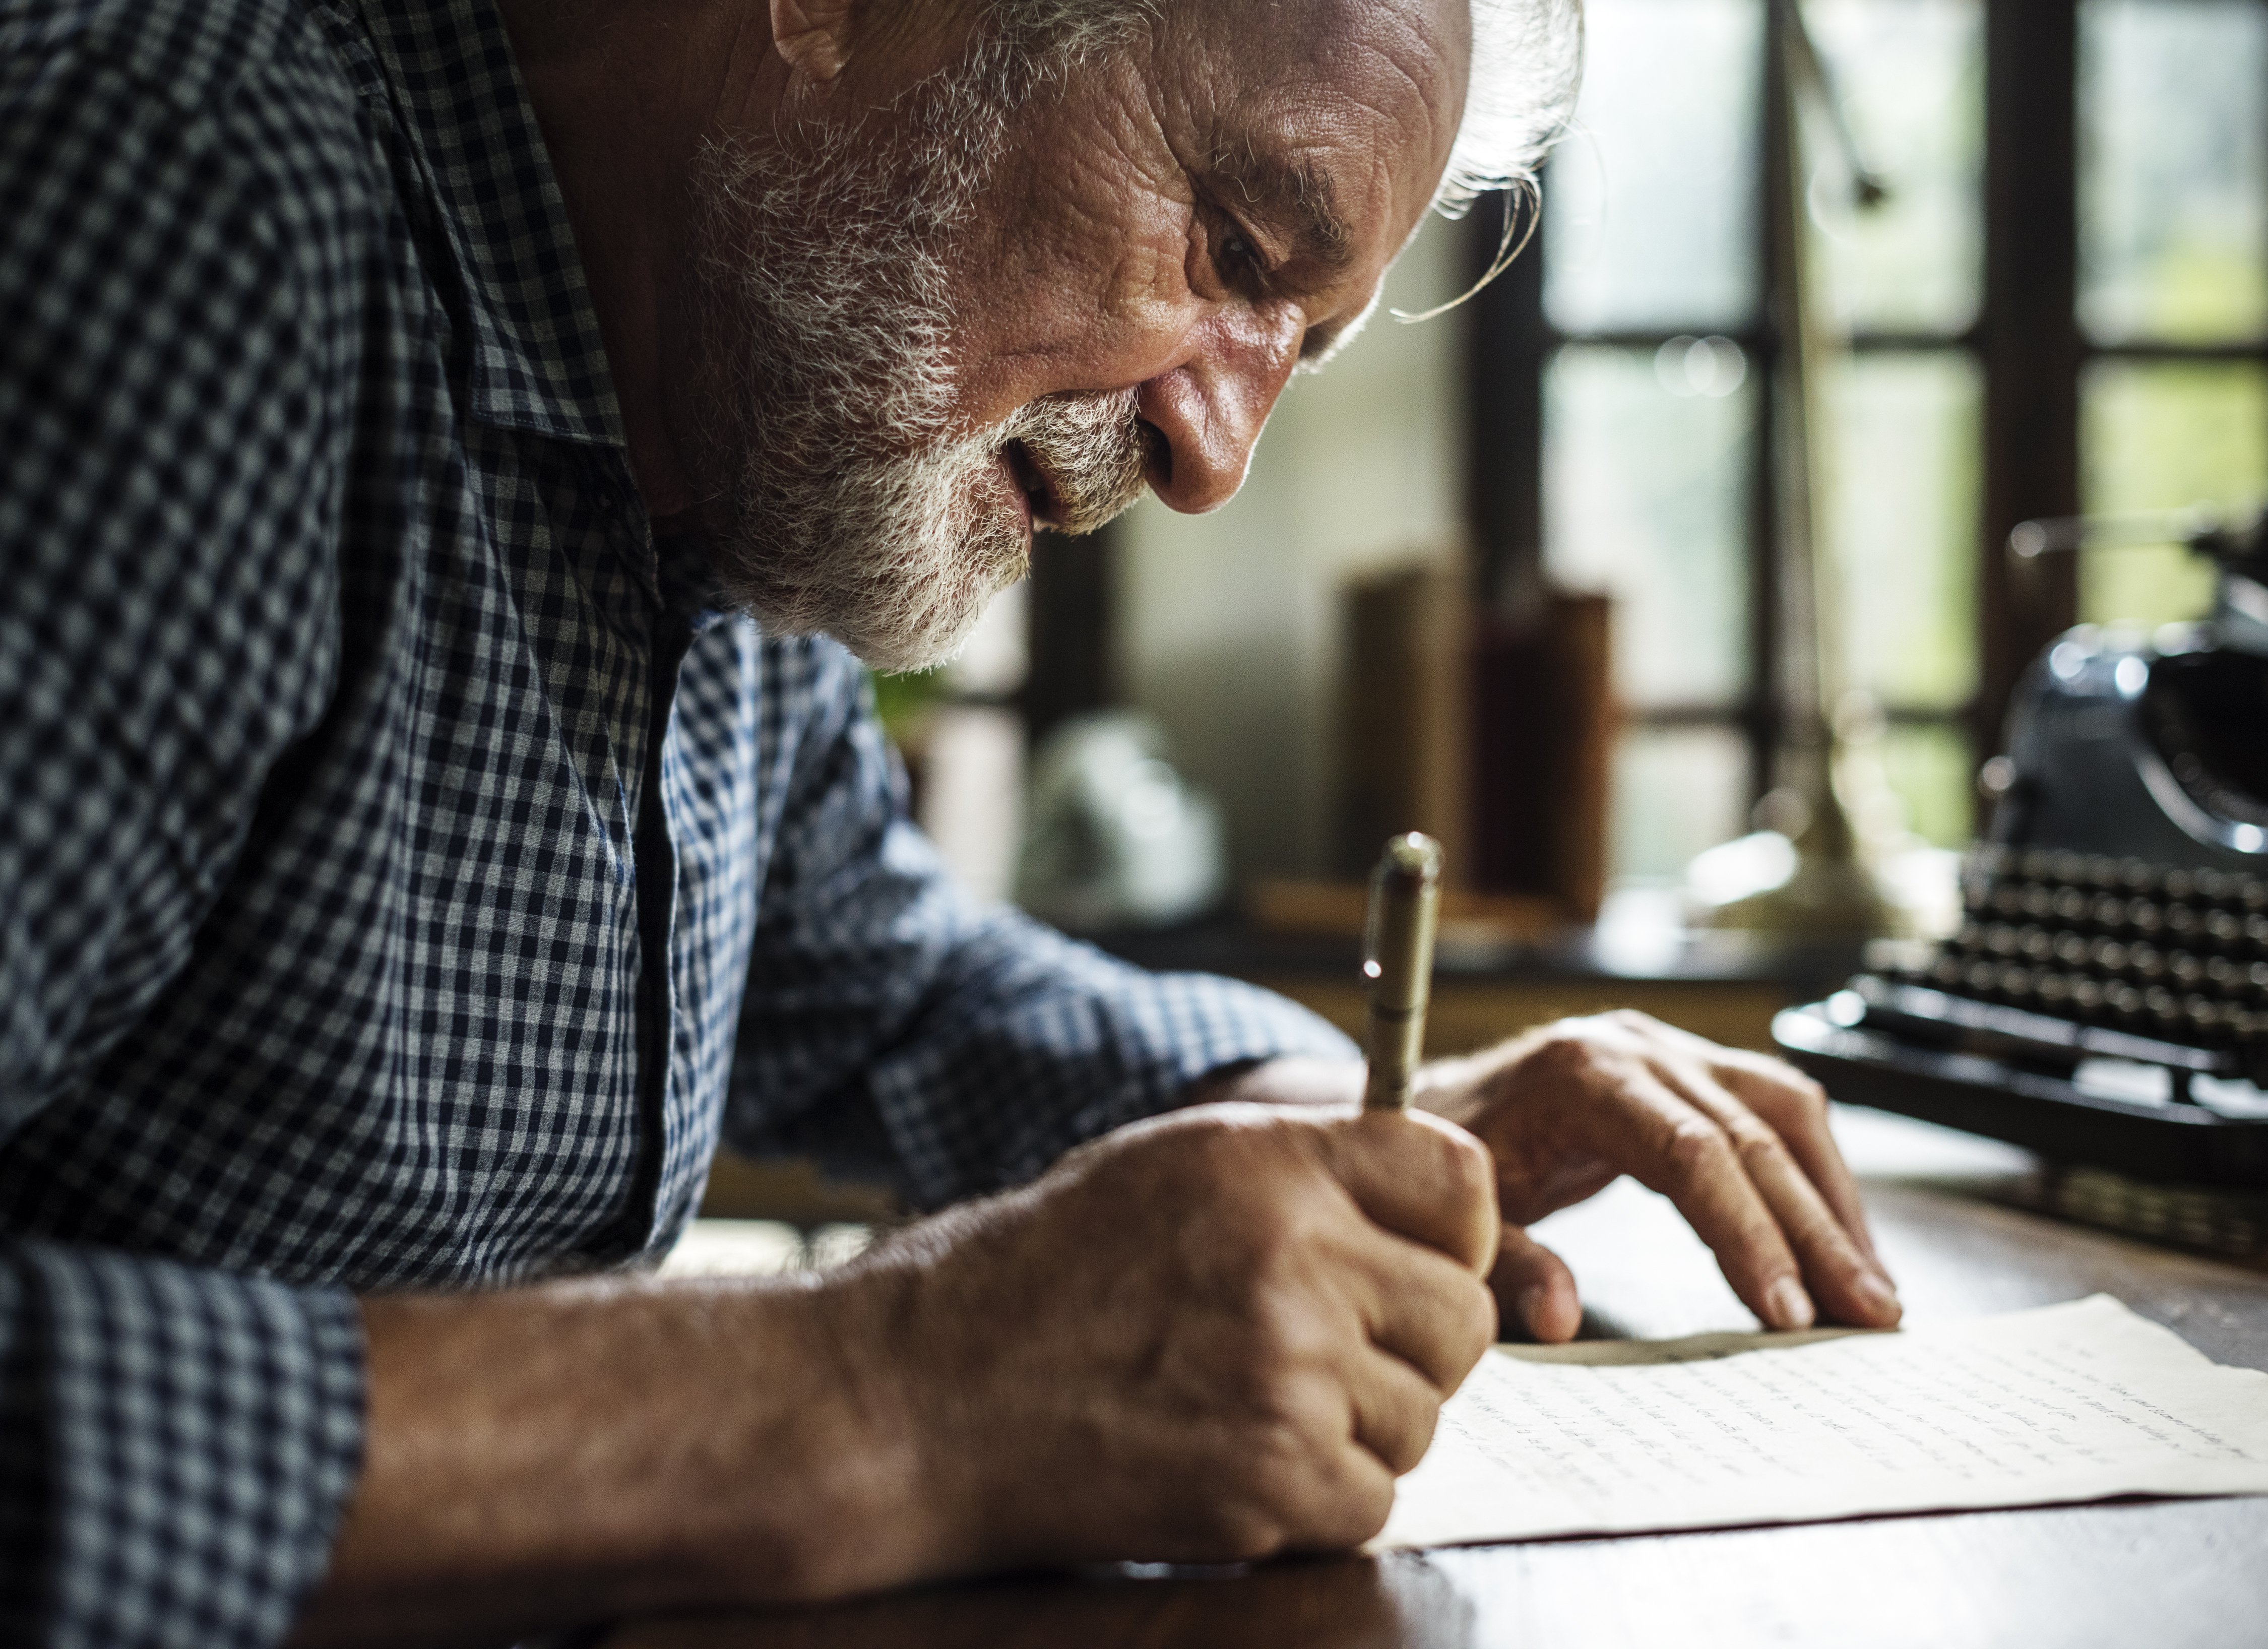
1737,1140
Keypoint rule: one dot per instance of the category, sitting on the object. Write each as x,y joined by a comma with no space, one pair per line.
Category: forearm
571,1451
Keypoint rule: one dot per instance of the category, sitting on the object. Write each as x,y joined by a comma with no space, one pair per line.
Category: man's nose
1211,408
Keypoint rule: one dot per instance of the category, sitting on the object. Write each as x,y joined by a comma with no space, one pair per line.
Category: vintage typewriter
2105,1001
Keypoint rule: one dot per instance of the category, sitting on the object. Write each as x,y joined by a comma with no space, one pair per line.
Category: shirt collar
535,359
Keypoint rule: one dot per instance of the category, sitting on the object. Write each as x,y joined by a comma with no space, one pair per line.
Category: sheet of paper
2077,1401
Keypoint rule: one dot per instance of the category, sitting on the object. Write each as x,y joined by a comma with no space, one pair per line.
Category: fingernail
1876,1295
1788,1306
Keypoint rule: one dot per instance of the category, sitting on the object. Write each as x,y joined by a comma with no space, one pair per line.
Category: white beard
819,400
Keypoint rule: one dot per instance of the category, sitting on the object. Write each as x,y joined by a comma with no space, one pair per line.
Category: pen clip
1374,918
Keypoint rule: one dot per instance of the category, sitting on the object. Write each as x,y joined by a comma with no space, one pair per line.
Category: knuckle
1565,1052
1357,1515
1281,1480
1479,1326
1416,1438
1696,1147
1285,1340
1243,1530
1787,1081
1760,1148
1468,1166
1794,1083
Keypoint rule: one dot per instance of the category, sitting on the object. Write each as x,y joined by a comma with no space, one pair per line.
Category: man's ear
813,36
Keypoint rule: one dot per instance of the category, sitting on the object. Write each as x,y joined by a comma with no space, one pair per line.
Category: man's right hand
1218,1334
1213,1336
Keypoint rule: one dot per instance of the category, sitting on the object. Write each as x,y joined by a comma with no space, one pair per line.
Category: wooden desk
1724,986
2166,1574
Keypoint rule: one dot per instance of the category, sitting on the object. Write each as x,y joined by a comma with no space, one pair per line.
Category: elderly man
434,444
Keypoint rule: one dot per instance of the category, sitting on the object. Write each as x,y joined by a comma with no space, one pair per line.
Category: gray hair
1526,57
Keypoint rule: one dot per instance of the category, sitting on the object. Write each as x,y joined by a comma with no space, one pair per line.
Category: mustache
1089,454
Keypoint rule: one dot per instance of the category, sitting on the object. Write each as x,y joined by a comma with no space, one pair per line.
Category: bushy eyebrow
1294,195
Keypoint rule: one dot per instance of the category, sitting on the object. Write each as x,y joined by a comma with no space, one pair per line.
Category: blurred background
1518,574
1601,410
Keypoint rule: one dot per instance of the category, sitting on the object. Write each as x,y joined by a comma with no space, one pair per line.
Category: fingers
1682,1152
1421,1178
1534,1289
1430,1312
1838,1273
1395,1409
1795,1105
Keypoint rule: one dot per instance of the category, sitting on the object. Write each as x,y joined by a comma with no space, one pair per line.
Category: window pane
1929,767
1677,791
2174,192
2164,435
1650,199
1910,73
1905,524
1644,463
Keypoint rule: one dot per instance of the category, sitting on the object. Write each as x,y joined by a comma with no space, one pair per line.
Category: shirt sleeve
175,1443
891,1022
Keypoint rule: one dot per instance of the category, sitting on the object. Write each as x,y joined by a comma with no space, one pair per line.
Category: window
2173,280
2063,301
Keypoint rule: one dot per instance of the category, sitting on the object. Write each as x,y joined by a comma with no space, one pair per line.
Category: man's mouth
1032,481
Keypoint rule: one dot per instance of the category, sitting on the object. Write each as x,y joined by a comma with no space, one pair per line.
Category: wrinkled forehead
1351,105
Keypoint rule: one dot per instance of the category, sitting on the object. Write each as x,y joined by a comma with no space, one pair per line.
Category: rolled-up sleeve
179,1442
893,1024
176,1444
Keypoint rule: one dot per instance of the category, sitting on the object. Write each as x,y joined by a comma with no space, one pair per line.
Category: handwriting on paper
2069,1403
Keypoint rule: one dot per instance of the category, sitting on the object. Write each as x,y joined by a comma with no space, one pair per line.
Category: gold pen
1397,959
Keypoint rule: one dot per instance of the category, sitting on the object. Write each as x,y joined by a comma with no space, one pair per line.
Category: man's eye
1237,257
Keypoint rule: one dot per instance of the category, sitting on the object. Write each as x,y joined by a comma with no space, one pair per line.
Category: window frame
2026,344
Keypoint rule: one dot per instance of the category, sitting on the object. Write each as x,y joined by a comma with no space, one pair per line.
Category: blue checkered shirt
406,875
